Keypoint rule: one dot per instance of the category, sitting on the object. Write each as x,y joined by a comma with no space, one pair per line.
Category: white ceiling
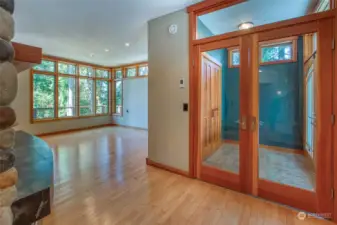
76,28
257,11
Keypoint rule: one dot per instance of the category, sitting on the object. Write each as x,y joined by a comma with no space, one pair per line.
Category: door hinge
333,119
332,193
333,44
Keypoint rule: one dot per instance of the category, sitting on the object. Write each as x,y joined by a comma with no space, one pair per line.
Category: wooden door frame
250,186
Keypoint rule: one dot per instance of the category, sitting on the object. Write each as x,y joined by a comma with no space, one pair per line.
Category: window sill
33,121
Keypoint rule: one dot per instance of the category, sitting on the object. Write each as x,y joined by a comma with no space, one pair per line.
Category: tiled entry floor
281,167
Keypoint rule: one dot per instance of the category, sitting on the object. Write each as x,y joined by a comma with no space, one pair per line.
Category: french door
264,114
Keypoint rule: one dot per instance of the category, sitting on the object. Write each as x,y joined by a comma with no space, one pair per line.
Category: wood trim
131,127
150,162
220,177
220,44
324,112
193,98
295,197
27,53
208,6
334,137
72,130
268,27
72,61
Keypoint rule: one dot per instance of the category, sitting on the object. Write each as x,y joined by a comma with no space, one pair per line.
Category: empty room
168,112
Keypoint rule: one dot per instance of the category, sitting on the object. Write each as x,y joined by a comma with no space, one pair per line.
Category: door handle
253,124
243,123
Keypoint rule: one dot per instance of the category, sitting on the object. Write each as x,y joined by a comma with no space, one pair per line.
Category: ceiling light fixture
106,50
92,54
127,44
245,26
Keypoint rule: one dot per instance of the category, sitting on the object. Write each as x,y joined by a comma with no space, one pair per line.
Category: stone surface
7,51
7,139
7,160
8,5
8,196
8,83
8,178
7,117
34,162
6,216
6,25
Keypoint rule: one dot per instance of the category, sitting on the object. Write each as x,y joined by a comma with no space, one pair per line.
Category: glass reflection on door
287,75
220,101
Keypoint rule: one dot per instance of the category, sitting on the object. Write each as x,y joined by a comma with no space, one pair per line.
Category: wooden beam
27,54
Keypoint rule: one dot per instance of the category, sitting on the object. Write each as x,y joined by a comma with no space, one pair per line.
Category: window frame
230,56
77,78
292,40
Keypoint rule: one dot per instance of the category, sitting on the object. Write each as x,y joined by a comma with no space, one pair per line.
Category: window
234,57
66,96
64,90
119,74
66,68
46,65
280,51
102,73
102,97
322,5
131,72
87,97
118,96
43,96
86,71
143,70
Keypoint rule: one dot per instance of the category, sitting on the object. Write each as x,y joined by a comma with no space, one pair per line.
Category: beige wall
168,62
22,108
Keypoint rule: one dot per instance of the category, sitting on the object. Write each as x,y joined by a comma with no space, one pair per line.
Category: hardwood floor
101,179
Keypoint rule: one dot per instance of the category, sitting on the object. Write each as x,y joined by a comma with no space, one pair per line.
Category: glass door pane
287,111
220,109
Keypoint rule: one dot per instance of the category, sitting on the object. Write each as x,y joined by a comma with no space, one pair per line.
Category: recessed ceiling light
279,92
92,54
106,50
127,44
245,26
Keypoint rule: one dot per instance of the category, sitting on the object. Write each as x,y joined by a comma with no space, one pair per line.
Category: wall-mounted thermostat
182,83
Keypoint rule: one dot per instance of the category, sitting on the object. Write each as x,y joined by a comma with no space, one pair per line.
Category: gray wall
21,105
135,104
168,62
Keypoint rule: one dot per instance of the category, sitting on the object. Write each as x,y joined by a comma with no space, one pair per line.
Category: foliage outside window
102,73
70,91
102,97
118,74
143,70
66,68
118,96
322,5
87,97
278,51
131,72
43,96
86,71
66,97
46,65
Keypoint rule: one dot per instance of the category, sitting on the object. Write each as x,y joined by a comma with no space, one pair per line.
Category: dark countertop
34,162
